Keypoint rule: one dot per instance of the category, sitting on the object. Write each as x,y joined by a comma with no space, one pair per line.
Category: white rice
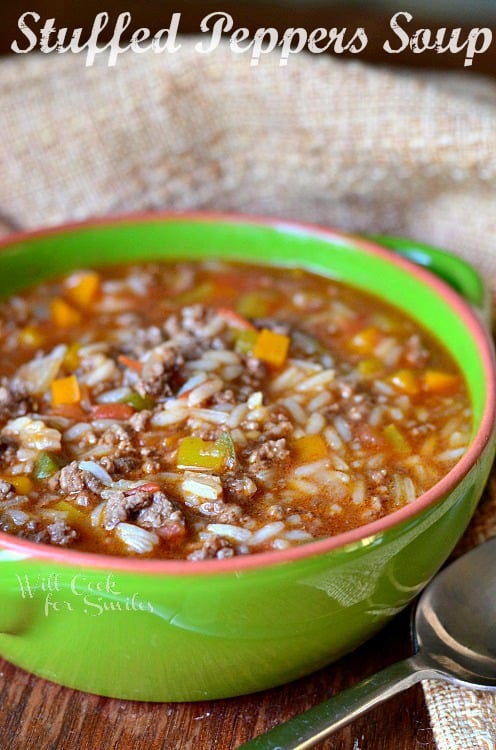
137,539
236,533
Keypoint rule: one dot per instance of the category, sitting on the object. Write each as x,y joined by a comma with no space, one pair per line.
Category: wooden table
38,715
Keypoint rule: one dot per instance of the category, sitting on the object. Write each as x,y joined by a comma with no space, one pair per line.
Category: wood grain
38,715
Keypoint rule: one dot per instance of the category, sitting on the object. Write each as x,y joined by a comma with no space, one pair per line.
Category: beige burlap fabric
321,140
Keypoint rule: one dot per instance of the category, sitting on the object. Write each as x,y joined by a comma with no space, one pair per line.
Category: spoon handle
314,725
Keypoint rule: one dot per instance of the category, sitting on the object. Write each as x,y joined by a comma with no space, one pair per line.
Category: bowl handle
455,271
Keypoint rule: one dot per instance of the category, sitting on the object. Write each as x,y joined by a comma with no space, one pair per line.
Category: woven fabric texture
322,140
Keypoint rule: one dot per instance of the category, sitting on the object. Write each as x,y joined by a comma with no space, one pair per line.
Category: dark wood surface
35,714
38,715
281,15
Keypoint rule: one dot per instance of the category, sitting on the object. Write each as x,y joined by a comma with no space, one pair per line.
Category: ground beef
71,480
195,319
222,512
159,513
120,464
416,354
360,408
278,424
5,489
273,450
277,326
159,372
61,533
34,531
214,547
140,420
238,487
8,450
120,437
149,509
14,402
254,375
223,397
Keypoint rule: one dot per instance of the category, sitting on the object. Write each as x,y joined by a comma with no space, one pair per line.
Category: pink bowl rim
22,549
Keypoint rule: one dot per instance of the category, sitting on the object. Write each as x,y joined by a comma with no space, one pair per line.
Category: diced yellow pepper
366,340
196,453
255,304
82,287
396,438
71,359
245,340
370,366
72,514
406,381
22,485
66,391
310,448
63,314
271,347
31,336
436,381
199,293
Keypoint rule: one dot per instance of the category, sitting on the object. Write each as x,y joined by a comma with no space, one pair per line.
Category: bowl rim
15,548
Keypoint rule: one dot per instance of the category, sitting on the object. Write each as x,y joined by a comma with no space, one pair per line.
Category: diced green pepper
138,402
225,444
46,465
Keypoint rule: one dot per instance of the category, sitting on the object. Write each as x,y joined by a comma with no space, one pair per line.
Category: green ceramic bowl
180,631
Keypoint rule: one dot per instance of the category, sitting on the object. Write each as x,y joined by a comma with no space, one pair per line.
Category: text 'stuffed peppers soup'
210,409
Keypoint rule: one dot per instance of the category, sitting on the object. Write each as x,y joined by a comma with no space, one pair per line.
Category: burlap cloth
321,140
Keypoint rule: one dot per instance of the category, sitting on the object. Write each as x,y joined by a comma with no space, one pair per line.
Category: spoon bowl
454,635
454,624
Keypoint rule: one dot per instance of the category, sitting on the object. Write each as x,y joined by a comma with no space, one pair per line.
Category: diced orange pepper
310,448
271,347
436,381
82,287
63,314
22,485
406,381
31,336
366,340
65,391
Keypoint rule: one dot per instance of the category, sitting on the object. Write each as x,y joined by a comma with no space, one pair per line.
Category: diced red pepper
112,411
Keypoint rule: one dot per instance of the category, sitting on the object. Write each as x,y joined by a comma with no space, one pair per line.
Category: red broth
198,410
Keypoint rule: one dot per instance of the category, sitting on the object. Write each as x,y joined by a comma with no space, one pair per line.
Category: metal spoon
454,631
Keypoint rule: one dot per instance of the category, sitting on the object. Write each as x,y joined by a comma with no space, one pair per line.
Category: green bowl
160,630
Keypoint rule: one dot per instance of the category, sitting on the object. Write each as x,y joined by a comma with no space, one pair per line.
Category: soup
198,410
